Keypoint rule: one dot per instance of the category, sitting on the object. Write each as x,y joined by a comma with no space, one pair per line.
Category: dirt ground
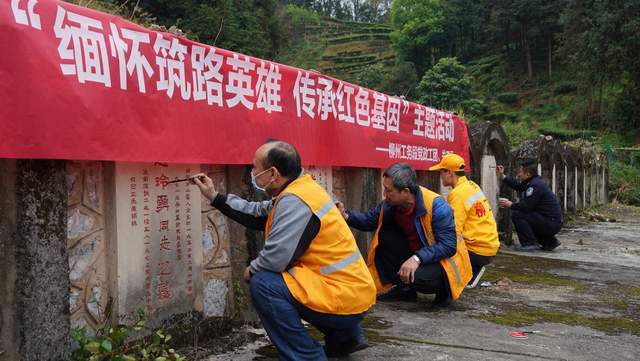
582,299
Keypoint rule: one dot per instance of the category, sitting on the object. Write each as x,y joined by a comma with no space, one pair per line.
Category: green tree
601,42
356,10
399,79
445,86
465,25
296,20
246,26
418,31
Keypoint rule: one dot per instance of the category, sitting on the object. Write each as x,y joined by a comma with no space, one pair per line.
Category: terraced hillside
341,49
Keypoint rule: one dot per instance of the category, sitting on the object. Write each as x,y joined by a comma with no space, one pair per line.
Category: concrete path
584,299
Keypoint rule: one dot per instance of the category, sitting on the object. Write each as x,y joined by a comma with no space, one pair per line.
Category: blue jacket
442,224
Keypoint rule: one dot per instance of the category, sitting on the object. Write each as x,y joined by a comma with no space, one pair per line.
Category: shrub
113,344
565,87
507,98
517,132
624,182
502,116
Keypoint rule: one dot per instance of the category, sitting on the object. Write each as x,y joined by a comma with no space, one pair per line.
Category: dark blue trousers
281,316
534,228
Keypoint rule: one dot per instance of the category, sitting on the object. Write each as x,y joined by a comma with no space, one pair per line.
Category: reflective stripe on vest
453,264
474,198
455,269
325,209
343,263
327,278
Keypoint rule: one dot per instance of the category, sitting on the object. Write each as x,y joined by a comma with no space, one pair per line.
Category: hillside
342,49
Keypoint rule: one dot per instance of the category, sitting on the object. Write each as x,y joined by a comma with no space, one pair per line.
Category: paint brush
184,180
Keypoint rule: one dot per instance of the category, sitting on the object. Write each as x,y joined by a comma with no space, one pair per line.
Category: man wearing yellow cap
472,212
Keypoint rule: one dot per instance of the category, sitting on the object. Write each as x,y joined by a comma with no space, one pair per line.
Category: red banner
80,84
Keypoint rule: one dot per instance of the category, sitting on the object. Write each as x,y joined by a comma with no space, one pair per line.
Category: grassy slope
525,108
340,49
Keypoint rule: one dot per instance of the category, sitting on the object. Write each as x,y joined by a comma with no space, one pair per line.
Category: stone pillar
217,295
553,179
549,159
159,241
243,244
576,193
585,187
88,245
560,178
339,184
605,187
595,180
489,183
363,187
8,313
566,176
42,282
579,184
430,180
490,147
593,177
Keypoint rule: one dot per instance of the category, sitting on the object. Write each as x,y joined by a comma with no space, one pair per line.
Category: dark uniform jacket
536,197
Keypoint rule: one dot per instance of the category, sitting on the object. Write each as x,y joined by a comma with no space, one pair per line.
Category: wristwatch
417,258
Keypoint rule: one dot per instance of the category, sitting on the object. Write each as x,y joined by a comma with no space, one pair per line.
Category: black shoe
398,293
439,305
528,248
346,348
441,301
553,244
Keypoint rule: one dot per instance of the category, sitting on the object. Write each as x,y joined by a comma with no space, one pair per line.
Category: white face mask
255,185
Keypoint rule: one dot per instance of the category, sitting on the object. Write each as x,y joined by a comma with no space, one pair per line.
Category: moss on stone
532,270
632,291
532,262
528,270
529,316
541,278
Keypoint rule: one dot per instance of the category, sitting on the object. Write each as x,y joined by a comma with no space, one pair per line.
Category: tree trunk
601,105
527,52
523,59
590,103
507,45
550,47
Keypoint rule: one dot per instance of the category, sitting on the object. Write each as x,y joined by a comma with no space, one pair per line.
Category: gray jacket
293,228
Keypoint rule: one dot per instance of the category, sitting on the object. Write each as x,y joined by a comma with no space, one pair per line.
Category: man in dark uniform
537,217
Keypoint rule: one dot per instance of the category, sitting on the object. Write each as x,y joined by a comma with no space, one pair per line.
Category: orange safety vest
331,276
457,267
474,218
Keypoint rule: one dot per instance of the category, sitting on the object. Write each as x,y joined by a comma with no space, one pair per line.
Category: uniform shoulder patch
529,192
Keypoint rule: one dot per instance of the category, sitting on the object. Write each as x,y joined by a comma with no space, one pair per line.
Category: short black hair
284,157
530,166
460,173
402,176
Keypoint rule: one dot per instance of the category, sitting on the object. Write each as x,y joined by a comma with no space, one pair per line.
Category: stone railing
577,173
69,261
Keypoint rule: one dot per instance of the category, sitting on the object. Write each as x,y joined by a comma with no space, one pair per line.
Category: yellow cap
450,161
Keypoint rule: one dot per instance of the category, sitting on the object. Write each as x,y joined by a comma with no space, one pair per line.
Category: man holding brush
310,268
